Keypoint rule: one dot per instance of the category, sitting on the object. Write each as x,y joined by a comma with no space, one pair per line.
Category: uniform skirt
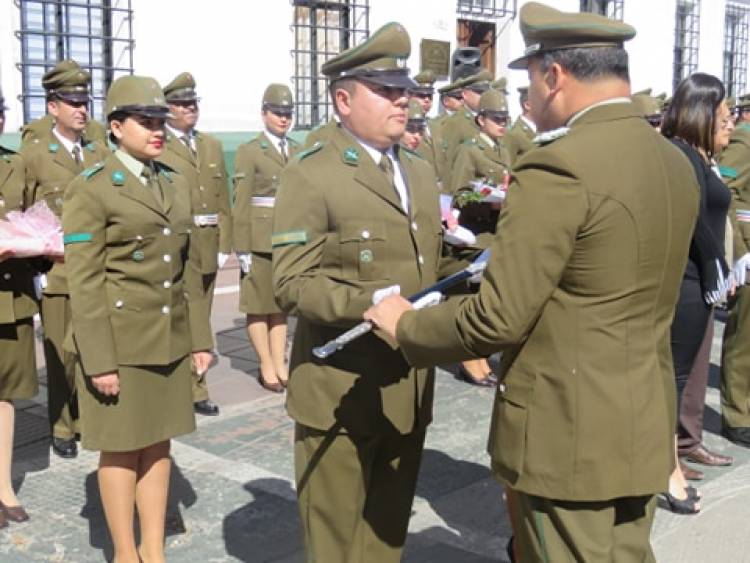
17,361
256,288
155,404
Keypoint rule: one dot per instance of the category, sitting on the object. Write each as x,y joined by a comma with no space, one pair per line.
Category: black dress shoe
66,449
206,408
489,381
739,435
510,551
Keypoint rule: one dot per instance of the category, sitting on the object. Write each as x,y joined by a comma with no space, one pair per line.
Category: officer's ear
555,77
115,130
52,107
343,100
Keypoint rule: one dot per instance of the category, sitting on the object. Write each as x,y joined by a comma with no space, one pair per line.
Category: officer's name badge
118,178
351,156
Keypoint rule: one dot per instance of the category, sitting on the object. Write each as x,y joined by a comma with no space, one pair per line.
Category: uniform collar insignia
351,156
118,178
549,136
90,147
53,147
264,144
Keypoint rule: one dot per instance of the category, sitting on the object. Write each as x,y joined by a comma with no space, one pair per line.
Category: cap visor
75,97
520,63
391,80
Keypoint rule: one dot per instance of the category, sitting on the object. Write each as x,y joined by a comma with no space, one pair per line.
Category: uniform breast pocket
364,251
53,194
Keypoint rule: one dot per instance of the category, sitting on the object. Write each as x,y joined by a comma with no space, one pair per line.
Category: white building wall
234,49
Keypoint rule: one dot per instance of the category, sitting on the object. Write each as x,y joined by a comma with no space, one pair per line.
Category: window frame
468,9
312,103
59,35
685,60
602,7
734,56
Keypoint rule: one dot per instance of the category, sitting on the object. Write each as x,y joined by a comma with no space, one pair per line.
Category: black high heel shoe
489,381
687,505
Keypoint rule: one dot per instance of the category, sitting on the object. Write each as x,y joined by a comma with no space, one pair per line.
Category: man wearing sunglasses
54,157
462,125
199,157
734,164
39,128
432,146
354,216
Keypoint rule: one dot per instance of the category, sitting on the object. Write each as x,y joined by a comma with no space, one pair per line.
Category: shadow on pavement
181,492
267,528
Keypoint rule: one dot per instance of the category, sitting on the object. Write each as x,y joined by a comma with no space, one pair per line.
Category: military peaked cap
425,81
416,112
547,29
278,99
380,59
181,89
140,95
493,102
67,81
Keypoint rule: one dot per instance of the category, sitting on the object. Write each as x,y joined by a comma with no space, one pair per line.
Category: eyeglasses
499,119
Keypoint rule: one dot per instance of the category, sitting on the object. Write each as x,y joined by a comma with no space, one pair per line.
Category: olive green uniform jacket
459,127
49,170
734,165
478,158
39,128
206,176
128,260
340,233
519,139
432,149
257,170
321,133
579,294
17,297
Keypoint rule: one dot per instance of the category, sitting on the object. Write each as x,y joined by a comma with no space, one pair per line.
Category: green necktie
77,156
386,165
152,182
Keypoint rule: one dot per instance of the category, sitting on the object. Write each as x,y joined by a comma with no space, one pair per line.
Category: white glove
459,236
245,261
221,259
432,298
740,269
379,294
40,282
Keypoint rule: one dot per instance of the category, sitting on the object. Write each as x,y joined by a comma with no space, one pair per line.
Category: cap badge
533,48
351,156
118,178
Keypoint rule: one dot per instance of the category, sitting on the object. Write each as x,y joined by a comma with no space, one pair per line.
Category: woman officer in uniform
258,166
17,307
132,286
482,158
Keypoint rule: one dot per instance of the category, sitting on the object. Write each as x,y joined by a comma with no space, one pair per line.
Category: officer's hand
108,384
5,253
201,361
386,314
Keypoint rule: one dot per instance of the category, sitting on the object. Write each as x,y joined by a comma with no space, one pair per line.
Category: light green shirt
134,166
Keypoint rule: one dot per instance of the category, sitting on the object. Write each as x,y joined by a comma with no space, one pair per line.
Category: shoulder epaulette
89,172
549,136
6,151
309,151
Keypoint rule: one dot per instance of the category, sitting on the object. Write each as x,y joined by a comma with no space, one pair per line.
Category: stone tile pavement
232,496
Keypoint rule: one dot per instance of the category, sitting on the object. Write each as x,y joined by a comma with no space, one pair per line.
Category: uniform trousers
735,363
62,403
693,404
200,385
355,493
556,531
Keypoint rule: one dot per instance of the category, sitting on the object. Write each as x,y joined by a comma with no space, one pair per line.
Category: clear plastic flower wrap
34,232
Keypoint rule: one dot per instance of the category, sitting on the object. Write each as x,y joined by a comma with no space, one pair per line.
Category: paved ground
232,497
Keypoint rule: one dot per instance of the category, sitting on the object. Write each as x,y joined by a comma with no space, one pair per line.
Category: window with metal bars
686,39
97,34
611,8
736,24
486,8
322,29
